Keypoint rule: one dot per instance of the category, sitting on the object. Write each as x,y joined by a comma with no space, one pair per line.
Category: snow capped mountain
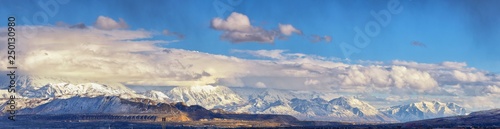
307,106
357,107
56,95
302,105
456,108
69,90
265,101
157,95
269,95
206,96
342,108
423,110
22,103
33,91
105,105
47,87
100,104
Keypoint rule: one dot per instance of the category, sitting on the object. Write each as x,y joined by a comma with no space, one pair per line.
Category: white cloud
288,29
475,103
104,55
454,65
470,76
260,85
107,23
311,82
492,89
394,77
237,28
235,22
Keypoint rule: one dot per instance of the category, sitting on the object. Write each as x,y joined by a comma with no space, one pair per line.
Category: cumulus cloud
237,28
93,54
288,29
452,73
260,85
395,77
483,102
311,82
469,77
235,22
107,23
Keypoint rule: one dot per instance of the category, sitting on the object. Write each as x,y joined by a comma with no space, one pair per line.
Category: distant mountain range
41,95
308,105
488,118
423,110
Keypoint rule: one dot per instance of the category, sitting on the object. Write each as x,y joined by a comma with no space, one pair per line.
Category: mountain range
43,95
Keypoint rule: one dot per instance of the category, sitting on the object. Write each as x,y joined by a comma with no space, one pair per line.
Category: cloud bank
132,58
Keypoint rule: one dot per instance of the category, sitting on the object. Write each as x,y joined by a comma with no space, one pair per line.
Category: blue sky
461,31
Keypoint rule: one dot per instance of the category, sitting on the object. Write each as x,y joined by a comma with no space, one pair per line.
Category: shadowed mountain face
110,107
488,118
114,106
102,105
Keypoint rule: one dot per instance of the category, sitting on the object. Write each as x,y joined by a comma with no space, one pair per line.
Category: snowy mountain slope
5,94
22,103
423,110
265,101
116,105
100,104
35,91
273,101
157,95
358,107
47,87
32,91
342,108
206,96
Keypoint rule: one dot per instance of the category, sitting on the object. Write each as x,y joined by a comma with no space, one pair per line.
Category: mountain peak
355,104
208,96
47,87
424,110
156,95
